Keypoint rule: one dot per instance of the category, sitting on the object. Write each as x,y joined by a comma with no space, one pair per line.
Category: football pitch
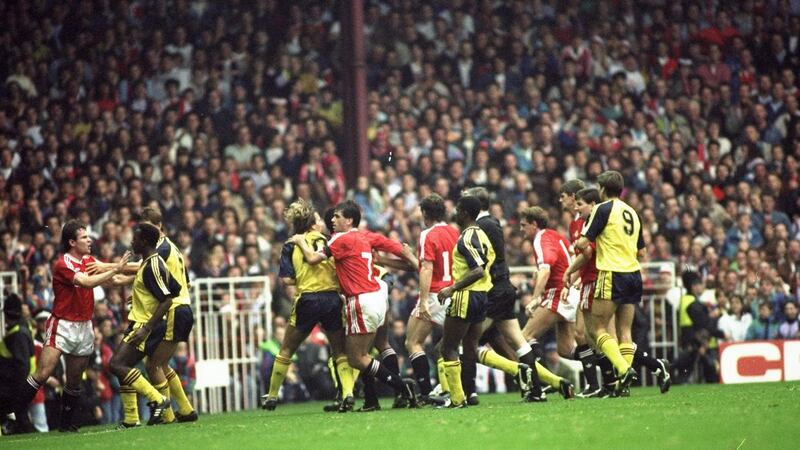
765,416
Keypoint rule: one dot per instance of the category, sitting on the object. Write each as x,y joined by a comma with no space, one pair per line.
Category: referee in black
500,314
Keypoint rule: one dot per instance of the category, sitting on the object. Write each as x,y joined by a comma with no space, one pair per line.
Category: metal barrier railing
232,316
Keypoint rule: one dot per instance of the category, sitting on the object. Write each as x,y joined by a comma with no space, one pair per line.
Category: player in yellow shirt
153,291
473,256
317,301
175,329
164,339
617,230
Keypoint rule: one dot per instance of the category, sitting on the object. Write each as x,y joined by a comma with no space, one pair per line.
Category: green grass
688,417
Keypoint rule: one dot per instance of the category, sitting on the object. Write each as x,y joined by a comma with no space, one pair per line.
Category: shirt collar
482,214
73,259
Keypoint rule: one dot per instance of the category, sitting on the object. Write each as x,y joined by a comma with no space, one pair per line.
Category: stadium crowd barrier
232,317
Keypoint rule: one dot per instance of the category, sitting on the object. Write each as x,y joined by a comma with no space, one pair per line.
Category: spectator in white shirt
735,323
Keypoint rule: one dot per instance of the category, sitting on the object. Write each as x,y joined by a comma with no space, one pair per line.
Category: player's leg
357,347
586,355
441,373
74,368
291,341
624,317
658,367
455,328
539,323
158,352
47,361
417,332
77,346
388,355
156,360
45,364
365,314
627,294
606,368
565,344
331,320
512,332
130,378
603,308
301,321
176,332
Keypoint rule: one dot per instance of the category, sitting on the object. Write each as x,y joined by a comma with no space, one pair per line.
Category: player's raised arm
91,281
408,263
309,254
96,267
121,280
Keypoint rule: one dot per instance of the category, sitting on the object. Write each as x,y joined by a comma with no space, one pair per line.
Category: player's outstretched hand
122,262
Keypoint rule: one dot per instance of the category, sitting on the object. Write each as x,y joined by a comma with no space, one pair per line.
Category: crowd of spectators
221,113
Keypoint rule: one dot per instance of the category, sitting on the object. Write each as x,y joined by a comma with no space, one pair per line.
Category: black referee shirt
494,231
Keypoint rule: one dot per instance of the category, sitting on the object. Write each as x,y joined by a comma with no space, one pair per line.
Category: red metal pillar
354,85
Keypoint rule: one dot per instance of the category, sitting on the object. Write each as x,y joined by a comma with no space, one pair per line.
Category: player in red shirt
579,200
436,244
551,251
366,296
69,328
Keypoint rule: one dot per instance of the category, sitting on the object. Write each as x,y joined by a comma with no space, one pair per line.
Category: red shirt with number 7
352,255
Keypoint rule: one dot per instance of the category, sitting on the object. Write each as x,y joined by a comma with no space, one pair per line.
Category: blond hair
301,215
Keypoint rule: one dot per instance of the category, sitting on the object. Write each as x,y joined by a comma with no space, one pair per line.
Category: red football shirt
71,302
352,254
552,250
436,245
589,270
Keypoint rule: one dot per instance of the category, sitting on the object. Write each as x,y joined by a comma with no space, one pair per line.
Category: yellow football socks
163,388
490,358
627,350
279,369
345,376
453,374
608,345
177,393
129,405
334,373
442,375
135,379
546,376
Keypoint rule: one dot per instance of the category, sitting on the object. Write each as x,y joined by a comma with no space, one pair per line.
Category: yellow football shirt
173,258
153,284
617,230
308,278
472,250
